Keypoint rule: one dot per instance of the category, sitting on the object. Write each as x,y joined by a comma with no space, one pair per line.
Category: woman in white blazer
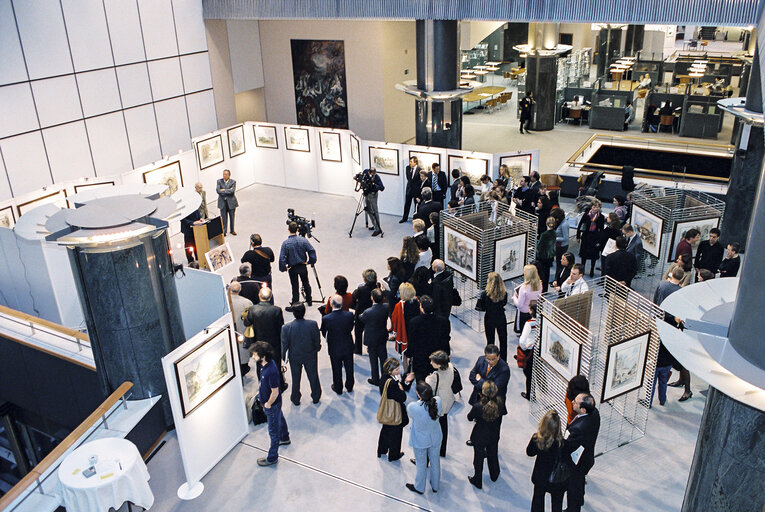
425,437
441,382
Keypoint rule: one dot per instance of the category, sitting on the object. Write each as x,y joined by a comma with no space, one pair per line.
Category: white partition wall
391,200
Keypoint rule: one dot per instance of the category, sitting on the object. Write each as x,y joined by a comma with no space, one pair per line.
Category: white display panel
301,165
158,28
173,125
88,36
142,134
125,31
25,163
43,37
57,100
336,177
134,84
18,110
201,107
5,189
98,92
108,142
267,162
391,200
166,81
12,68
68,152
196,72
190,26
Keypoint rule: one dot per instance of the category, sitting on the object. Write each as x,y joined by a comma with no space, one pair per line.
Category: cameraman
295,253
371,185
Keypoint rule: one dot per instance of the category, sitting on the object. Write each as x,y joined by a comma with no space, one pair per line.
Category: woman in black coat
493,300
588,233
546,445
611,231
390,435
487,414
563,271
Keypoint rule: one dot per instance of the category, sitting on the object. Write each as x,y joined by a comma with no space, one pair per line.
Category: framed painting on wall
92,186
58,198
318,71
559,350
461,252
648,226
210,151
425,160
205,370
384,160
265,136
468,166
518,165
169,175
7,217
219,258
510,256
625,366
355,150
235,137
681,228
329,144
297,139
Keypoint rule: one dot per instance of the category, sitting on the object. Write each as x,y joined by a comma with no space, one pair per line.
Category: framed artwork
471,167
510,256
219,257
265,136
681,228
210,151
426,160
518,165
92,186
58,198
169,175
318,71
648,226
625,366
329,144
235,141
384,160
355,150
461,252
559,350
297,139
205,370
7,217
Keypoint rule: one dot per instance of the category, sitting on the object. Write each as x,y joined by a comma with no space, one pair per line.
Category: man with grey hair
443,284
203,213
336,327
427,206
239,305
266,321
250,287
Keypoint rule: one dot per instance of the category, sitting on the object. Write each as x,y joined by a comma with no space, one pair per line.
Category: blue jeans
661,376
422,456
277,430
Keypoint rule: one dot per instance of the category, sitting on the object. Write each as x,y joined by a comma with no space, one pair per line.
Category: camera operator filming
295,254
370,184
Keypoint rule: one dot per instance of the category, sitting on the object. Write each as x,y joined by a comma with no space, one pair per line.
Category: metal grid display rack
671,206
486,226
612,313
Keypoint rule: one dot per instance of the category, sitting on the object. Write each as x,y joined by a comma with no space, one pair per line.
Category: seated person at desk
652,118
666,109
645,81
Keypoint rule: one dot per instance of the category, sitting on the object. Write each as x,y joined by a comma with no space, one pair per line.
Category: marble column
127,291
728,468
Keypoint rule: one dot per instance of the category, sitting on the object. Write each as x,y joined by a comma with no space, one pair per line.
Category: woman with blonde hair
487,414
409,256
404,310
493,301
530,290
545,445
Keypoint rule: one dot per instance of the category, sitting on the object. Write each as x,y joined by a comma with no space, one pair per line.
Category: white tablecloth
110,486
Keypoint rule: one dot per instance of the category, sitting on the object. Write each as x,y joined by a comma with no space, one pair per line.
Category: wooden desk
203,233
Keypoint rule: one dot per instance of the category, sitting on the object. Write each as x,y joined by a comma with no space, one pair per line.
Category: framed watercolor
205,370
384,160
649,227
468,166
209,151
169,175
559,350
518,165
297,139
625,366
461,252
92,186
57,198
219,258
681,228
510,256
355,150
330,147
425,160
265,136
7,217
235,137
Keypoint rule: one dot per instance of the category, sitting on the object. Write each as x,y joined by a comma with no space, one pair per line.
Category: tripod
363,207
318,283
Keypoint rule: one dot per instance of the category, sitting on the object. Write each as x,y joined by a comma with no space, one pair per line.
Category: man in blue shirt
295,253
270,395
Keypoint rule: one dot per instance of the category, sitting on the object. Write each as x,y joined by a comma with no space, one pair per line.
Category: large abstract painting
318,69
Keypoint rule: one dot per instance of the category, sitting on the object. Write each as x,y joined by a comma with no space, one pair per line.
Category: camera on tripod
304,225
365,182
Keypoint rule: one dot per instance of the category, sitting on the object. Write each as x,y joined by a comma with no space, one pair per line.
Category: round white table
121,476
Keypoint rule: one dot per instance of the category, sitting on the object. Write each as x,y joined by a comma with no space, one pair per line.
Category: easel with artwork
203,234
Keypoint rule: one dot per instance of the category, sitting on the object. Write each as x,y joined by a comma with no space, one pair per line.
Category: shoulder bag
389,411
457,382
562,470
258,412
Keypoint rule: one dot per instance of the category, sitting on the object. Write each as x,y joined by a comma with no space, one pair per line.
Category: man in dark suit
427,206
455,184
426,333
620,264
443,284
412,186
375,320
250,287
634,243
710,253
266,321
227,203
336,327
438,184
489,367
534,183
301,344
582,432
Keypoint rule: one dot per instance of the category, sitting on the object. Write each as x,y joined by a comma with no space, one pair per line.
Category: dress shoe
316,401
494,478
402,221
524,395
350,390
413,489
475,482
285,442
469,442
332,387
395,458
685,397
376,233
295,402
374,382
265,462
675,384
662,403
370,228
233,233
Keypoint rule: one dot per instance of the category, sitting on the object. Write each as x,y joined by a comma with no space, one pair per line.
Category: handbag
456,299
520,356
389,411
456,382
258,412
562,470
479,304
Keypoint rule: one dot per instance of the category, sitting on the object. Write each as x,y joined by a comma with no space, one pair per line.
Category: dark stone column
729,463
609,41
438,122
131,310
634,38
542,80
